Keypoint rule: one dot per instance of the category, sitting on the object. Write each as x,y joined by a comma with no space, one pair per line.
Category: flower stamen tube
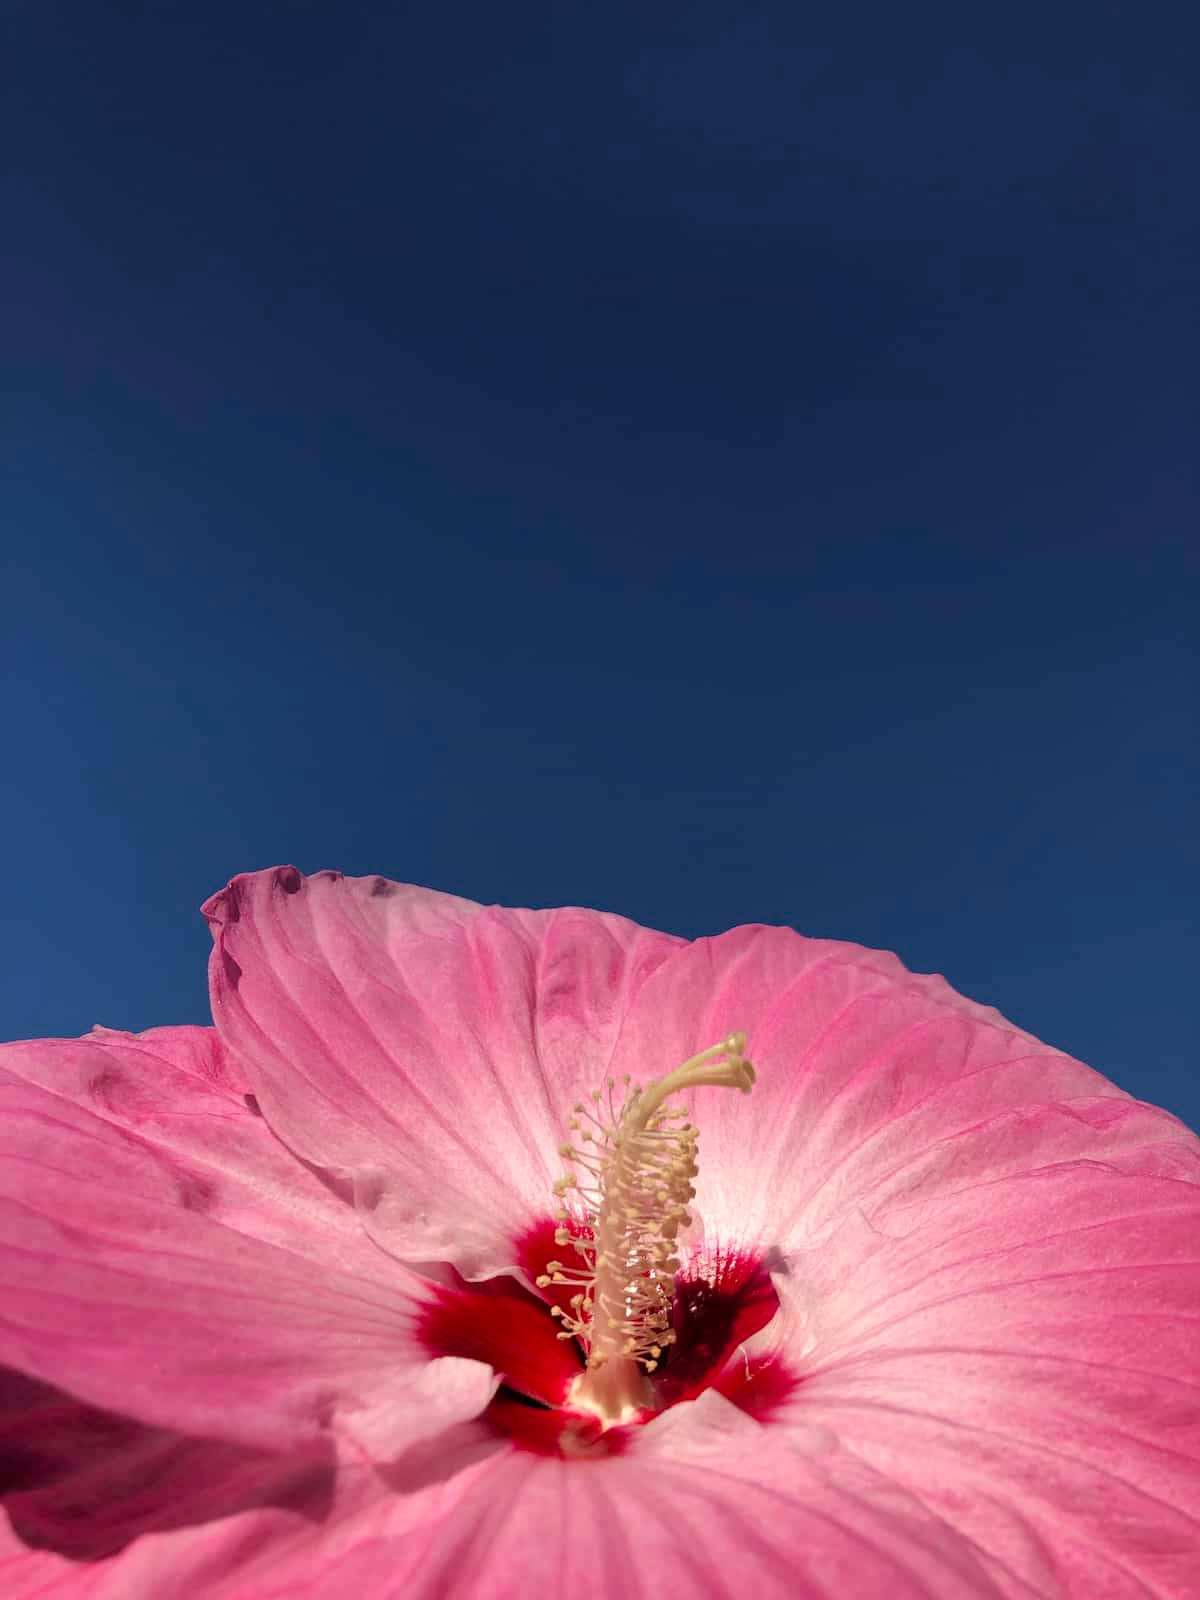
638,1164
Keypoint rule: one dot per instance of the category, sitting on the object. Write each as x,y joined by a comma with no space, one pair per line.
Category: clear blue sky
719,463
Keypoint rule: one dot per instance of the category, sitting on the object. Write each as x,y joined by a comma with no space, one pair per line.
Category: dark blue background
715,462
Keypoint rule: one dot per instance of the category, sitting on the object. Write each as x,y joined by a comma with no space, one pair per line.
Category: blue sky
717,463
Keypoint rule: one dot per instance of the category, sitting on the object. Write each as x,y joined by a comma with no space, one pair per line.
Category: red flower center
720,1301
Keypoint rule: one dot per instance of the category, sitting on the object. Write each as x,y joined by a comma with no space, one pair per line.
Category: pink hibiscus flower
365,1293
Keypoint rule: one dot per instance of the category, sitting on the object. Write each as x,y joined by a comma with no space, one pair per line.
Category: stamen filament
641,1164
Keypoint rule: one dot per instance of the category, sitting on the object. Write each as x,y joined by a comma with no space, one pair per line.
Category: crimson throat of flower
622,1203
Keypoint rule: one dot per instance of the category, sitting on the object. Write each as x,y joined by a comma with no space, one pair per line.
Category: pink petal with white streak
424,1047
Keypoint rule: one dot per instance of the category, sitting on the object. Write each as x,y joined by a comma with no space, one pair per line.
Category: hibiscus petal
875,1085
990,1257
723,1509
85,1483
95,1503
162,1254
705,1502
1020,1356
422,1046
